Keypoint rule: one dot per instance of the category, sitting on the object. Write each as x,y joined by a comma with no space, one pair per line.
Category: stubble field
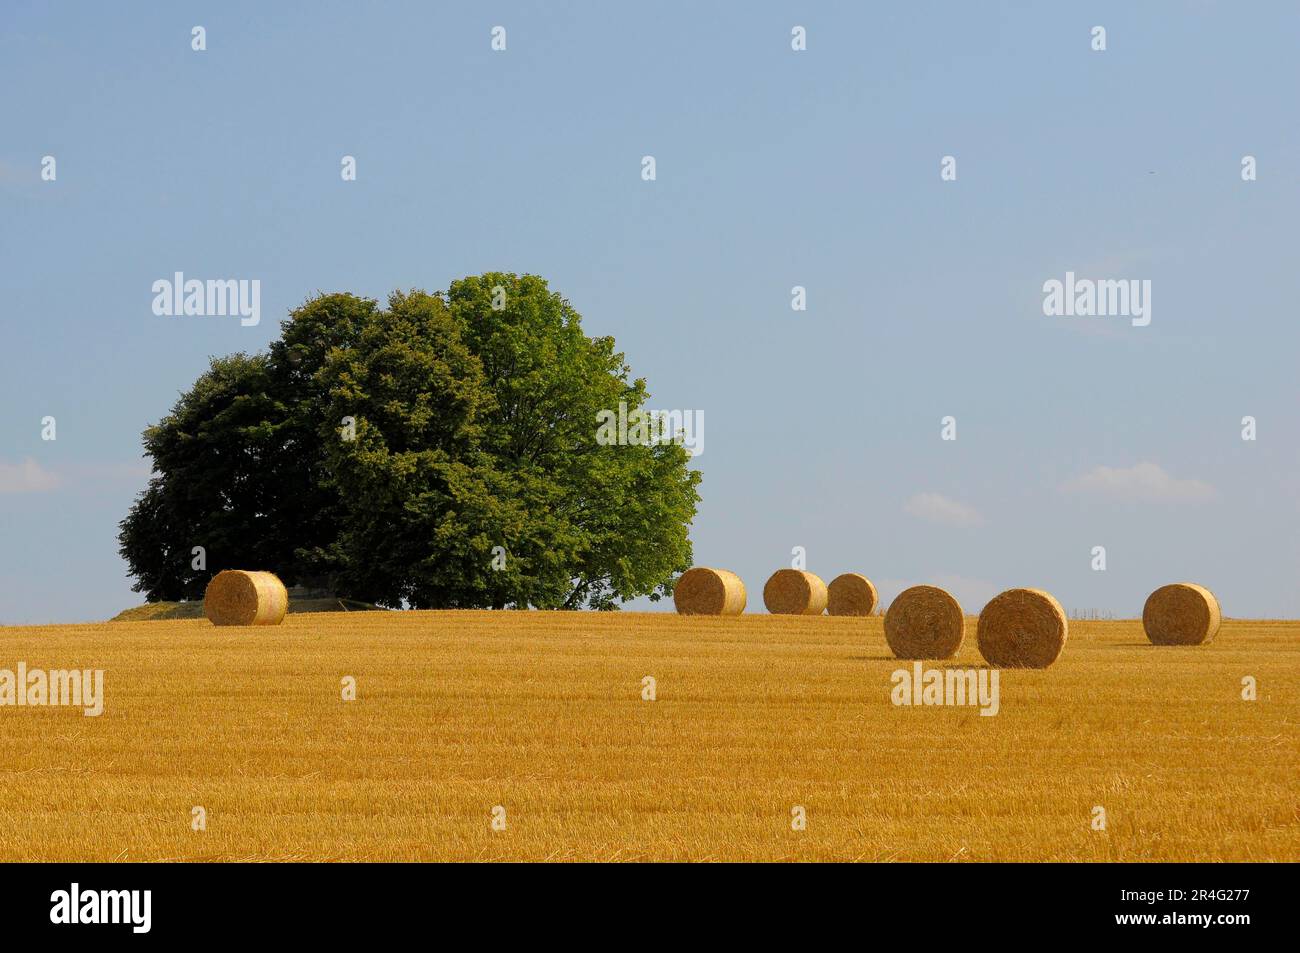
541,713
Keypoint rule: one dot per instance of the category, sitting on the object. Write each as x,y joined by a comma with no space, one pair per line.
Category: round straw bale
794,592
851,593
236,597
1181,614
924,622
702,591
1022,628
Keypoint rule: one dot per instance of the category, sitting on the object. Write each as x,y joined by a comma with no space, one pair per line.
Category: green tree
416,492
308,514
616,516
208,455
471,475
239,468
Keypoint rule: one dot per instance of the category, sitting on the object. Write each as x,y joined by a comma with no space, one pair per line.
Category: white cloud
1142,482
26,477
934,508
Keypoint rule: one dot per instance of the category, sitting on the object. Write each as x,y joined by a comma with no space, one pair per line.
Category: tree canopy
437,453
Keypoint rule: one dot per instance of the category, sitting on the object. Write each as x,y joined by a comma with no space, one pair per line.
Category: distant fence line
1091,614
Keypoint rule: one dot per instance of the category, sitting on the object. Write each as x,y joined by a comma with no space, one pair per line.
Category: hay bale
1022,628
794,592
236,597
702,591
851,593
1182,613
924,622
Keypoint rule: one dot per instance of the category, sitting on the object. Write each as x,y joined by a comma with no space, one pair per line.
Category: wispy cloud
26,477
1140,483
132,472
935,508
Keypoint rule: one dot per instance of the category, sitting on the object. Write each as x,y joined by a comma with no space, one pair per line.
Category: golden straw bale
794,592
236,597
851,593
924,622
1022,628
1182,613
703,591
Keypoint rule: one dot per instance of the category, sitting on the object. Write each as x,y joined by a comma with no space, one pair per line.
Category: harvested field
541,713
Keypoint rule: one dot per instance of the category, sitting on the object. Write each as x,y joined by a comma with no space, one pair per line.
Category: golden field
541,713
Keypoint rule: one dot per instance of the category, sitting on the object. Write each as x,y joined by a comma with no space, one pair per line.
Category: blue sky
775,168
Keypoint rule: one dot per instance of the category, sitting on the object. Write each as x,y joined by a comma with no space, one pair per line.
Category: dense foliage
438,453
